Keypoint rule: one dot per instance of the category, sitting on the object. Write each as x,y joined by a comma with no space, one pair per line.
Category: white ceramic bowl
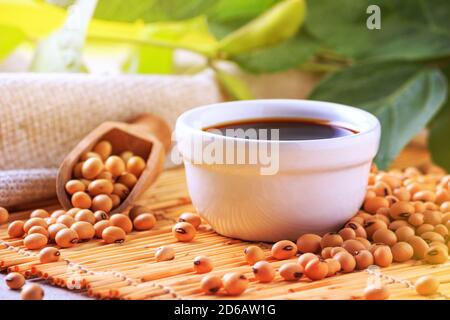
319,186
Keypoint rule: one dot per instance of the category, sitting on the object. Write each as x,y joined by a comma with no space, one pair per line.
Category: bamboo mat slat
129,270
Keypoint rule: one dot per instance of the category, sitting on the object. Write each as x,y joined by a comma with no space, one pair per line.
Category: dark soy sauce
289,129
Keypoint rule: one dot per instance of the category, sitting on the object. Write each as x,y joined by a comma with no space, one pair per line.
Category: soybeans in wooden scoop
148,137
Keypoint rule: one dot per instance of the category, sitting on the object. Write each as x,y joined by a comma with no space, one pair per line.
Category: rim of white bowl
183,119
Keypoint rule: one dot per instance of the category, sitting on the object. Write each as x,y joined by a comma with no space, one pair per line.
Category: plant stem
333,56
155,43
319,67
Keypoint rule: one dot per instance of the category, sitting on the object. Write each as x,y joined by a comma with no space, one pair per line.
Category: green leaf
404,97
233,86
224,16
10,37
438,139
410,29
151,10
228,15
277,24
289,54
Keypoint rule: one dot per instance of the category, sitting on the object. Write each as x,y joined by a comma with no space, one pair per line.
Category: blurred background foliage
398,72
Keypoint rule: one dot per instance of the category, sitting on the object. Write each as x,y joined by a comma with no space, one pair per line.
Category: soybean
102,202
145,221
53,230
84,230
424,228
57,213
115,165
347,234
426,285
203,264
15,229
334,266
34,222
382,256
127,179
291,271
100,226
100,215
136,165
234,283
373,225
353,246
14,280
436,255
91,168
211,284
113,234
49,254
316,269
191,218
39,213
263,271
122,221
403,233
38,229
309,243
103,148
85,215
73,186
431,236
66,220
137,210
346,260
331,239
81,200
402,251
419,245
126,155
4,215
326,252
358,228
284,249
120,190
363,259
253,254
73,212
35,241
32,291
66,238
371,205
100,186
376,292
385,236
164,253
183,231
305,258
432,217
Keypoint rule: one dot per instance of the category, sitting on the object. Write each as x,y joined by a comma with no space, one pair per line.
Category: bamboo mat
129,270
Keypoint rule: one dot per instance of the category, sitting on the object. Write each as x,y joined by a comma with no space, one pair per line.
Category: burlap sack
43,116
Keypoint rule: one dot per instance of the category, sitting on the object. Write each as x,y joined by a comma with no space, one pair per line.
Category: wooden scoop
147,136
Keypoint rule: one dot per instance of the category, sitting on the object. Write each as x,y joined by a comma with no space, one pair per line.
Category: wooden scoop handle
155,125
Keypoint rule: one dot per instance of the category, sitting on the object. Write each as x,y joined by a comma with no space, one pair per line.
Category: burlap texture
43,116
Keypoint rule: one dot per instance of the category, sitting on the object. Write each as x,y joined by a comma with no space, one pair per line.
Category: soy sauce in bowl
288,129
